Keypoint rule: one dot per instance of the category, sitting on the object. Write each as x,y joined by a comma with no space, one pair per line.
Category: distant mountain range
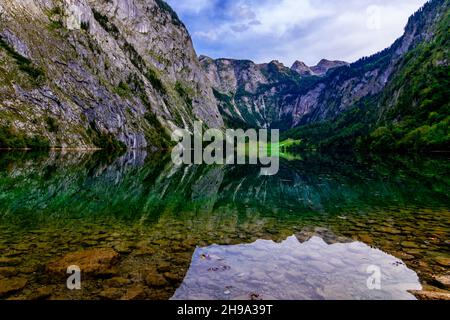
320,69
87,73
395,100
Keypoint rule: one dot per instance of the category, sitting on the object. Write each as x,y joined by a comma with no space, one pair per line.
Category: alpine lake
139,227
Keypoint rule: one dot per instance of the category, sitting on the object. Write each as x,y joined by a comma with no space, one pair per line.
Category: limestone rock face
227,75
302,69
99,68
325,65
271,95
319,70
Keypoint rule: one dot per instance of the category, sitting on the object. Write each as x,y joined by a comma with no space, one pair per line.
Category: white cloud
287,30
280,17
210,35
191,6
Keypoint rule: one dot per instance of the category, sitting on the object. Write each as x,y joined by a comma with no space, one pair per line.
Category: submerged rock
122,248
8,271
155,280
136,293
4,261
171,277
42,293
443,261
117,282
11,285
389,230
111,294
404,256
91,262
409,245
443,281
164,267
431,295
143,252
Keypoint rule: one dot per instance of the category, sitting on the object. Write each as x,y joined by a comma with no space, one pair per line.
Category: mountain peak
299,63
278,64
324,61
203,57
301,68
325,65
320,69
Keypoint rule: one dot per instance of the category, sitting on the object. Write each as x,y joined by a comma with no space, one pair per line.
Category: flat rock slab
11,285
5,261
443,281
91,262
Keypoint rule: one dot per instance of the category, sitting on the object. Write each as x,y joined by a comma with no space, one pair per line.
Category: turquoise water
159,218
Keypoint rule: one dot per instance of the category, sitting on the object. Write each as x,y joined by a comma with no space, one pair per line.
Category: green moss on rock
157,135
105,141
52,124
10,138
25,65
106,24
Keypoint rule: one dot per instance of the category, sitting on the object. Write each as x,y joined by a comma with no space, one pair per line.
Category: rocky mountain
97,73
123,73
249,94
271,95
320,69
406,107
325,65
302,69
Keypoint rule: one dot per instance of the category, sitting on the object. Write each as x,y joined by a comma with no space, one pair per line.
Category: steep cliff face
265,95
249,94
85,73
278,97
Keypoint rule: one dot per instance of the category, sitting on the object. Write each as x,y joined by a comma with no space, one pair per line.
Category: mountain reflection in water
292,270
156,216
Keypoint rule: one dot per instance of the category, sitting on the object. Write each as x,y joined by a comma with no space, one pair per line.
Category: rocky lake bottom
141,228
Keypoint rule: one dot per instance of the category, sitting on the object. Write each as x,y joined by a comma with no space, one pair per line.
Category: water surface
161,218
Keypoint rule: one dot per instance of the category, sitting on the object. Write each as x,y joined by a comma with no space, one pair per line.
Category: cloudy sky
289,30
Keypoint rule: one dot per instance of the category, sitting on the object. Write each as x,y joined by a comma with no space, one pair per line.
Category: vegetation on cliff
411,114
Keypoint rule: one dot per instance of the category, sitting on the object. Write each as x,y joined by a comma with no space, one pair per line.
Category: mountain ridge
288,101
85,73
320,69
